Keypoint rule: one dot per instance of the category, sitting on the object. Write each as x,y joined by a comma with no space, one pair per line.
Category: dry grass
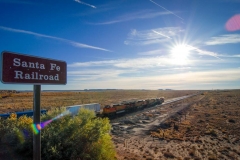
19,101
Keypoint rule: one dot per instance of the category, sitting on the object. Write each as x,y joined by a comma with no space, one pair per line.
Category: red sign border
1,67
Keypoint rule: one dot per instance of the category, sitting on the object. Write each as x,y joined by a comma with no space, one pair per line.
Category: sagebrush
81,137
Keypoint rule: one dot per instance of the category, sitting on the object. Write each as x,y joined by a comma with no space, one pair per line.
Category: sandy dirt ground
194,128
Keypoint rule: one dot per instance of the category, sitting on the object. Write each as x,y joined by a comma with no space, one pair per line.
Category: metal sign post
36,120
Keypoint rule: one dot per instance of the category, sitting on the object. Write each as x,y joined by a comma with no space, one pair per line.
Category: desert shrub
176,127
168,155
231,121
212,157
81,137
192,152
188,129
16,132
213,133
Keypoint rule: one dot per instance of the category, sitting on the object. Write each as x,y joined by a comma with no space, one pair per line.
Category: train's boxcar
93,106
75,109
5,116
19,114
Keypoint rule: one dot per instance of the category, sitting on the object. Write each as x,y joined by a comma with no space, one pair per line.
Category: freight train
108,111
130,106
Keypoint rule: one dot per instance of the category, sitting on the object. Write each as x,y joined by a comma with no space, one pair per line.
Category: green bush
81,137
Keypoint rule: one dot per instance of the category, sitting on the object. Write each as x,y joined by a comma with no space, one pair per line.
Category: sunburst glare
179,54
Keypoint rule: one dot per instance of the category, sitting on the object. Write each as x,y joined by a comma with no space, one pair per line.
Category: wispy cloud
153,52
81,2
166,9
72,43
132,16
161,34
152,36
230,56
125,63
204,52
153,72
224,39
101,9
184,80
143,62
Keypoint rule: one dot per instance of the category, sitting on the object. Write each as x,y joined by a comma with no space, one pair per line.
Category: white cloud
176,81
149,62
191,49
224,39
146,14
153,52
152,73
81,2
230,56
204,52
152,36
72,43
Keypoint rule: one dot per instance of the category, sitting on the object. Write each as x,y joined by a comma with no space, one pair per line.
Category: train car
19,114
151,102
139,104
160,100
130,106
116,109
120,108
75,109
109,111
4,116
93,106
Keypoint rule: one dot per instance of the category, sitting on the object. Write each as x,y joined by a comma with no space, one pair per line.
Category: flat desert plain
206,126
11,102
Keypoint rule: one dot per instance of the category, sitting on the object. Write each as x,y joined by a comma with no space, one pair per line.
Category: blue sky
129,44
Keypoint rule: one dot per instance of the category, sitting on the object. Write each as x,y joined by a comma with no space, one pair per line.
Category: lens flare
34,128
37,127
233,24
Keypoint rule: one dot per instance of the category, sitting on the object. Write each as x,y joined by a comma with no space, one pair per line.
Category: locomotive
129,106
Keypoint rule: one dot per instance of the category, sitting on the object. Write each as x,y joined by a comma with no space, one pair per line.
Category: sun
180,53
